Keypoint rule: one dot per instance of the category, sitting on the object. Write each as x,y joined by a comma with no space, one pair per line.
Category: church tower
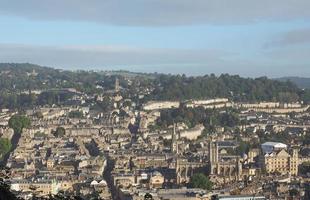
213,156
174,141
116,86
294,161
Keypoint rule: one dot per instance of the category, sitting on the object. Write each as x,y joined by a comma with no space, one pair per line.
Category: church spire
174,140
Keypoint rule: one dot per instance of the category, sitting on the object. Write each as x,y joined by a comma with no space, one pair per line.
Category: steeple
174,141
116,86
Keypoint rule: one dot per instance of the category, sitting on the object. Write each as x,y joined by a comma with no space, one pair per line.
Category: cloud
158,12
294,55
107,56
294,37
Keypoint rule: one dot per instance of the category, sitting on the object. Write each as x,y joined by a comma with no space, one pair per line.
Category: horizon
155,72
176,37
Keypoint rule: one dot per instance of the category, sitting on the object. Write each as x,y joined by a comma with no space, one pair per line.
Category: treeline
21,101
21,77
5,146
15,79
193,116
299,81
233,87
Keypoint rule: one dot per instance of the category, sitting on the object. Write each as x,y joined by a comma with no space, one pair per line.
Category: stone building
228,166
281,161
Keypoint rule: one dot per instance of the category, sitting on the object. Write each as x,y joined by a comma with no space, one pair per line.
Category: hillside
17,79
299,81
225,85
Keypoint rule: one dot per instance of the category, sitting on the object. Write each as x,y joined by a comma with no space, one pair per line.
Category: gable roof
283,153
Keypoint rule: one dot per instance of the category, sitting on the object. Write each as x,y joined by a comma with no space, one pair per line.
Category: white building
158,105
269,147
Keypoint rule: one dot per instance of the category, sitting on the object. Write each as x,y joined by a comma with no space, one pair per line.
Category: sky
195,37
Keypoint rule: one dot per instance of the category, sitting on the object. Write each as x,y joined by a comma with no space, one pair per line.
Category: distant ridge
18,79
301,82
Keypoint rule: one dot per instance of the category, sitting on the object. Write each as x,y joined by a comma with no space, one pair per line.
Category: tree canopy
17,80
19,122
5,146
75,114
200,180
193,116
60,132
234,87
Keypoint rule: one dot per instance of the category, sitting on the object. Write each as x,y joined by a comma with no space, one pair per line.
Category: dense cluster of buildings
118,154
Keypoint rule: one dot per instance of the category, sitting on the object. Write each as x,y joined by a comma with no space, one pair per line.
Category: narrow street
107,176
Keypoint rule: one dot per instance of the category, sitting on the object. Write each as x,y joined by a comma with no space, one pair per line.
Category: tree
148,196
304,168
5,192
104,105
60,132
200,180
75,114
5,146
39,114
306,95
18,123
293,192
307,191
242,148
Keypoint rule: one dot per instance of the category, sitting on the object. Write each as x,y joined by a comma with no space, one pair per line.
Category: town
135,147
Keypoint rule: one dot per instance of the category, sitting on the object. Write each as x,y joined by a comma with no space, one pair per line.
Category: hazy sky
195,37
